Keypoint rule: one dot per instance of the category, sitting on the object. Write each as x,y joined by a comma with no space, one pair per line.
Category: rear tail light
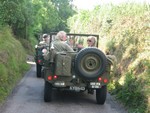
105,80
39,61
99,79
55,77
49,77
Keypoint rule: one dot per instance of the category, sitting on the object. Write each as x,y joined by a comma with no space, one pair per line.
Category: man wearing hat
45,40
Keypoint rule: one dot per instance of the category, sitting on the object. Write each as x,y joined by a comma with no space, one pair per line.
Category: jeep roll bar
74,34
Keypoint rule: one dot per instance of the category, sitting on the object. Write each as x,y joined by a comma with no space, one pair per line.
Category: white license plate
95,85
76,88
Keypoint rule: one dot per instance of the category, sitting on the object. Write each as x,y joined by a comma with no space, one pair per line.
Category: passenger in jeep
45,38
59,44
91,41
45,43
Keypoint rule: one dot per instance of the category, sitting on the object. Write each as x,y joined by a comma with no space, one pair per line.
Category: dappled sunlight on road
30,62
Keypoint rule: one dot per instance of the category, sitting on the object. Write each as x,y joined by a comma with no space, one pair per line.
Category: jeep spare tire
90,63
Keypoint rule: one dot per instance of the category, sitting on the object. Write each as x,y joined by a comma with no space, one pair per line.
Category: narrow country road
27,97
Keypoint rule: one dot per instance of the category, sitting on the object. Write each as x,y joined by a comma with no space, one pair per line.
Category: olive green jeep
39,60
86,69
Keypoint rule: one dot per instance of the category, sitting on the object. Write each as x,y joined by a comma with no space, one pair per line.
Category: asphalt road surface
27,97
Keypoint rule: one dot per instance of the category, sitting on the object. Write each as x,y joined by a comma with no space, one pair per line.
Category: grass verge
12,62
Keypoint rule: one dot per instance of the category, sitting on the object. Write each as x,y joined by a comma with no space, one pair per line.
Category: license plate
76,88
59,83
95,84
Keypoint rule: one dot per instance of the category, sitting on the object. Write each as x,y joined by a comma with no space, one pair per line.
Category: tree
13,13
48,16
65,10
27,17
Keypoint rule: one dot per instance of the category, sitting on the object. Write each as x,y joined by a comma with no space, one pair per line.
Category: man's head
91,41
45,37
61,35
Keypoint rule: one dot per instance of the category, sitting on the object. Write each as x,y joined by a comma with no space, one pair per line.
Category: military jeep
39,60
87,69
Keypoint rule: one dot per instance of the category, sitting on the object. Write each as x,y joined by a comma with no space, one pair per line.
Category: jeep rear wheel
47,92
101,95
90,63
38,70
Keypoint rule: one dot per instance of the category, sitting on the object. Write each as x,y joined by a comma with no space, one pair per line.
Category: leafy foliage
12,62
124,31
27,17
65,10
26,20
